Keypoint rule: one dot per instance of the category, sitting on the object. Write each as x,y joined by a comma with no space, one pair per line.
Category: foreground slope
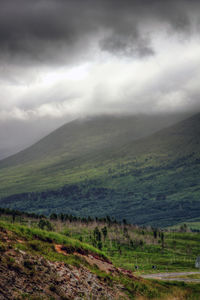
34,266
153,180
39,264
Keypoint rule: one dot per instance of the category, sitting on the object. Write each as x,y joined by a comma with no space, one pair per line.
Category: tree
162,240
62,217
13,216
97,234
105,232
53,216
99,245
124,221
155,233
45,224
183,228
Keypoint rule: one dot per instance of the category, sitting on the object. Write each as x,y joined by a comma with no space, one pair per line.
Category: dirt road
181,276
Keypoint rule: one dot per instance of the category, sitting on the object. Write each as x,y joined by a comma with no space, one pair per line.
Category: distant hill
90,134
118,166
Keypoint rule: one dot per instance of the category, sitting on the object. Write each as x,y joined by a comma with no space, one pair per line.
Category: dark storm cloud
62,31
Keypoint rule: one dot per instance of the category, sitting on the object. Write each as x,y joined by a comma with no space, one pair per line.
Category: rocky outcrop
24,276
28,276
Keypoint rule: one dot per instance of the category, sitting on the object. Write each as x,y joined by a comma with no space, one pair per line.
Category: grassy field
128,246
144,250
192,225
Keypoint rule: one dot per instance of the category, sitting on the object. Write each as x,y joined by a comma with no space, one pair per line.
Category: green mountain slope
74,150
96,168
84,136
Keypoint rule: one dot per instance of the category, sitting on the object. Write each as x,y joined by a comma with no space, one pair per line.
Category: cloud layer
58,31
66,58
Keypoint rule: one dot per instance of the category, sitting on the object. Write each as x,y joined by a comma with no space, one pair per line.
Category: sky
64,59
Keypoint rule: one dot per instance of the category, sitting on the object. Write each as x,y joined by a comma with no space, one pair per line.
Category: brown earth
93,259
26,276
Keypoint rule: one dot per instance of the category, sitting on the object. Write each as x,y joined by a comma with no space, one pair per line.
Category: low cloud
153,85
60,60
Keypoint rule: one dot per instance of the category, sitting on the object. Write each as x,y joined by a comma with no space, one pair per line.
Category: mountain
117,166
83,136
73,145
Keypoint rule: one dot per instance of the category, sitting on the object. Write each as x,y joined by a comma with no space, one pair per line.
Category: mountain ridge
153,180
85,131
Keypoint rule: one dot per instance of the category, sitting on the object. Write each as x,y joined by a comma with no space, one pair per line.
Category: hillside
88,135
98,168
48,264
34,266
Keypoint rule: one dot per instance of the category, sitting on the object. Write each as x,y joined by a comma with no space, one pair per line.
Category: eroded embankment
27,276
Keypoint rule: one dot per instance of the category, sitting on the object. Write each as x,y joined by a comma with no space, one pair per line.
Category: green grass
139,247
41,243
190,225
126,246
50,237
